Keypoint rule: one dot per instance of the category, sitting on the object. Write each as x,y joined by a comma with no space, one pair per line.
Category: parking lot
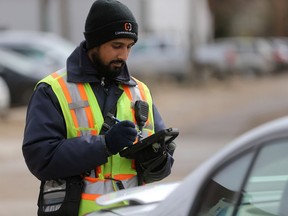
207,117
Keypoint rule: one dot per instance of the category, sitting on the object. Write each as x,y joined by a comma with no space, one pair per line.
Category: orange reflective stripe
55,75
124,176
88,110
108,176
98,171
129,95
66,92
91,197
93,180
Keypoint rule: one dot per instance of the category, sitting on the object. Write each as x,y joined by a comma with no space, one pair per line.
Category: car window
48,57
29,52
265,192
15,62
222,191
267,181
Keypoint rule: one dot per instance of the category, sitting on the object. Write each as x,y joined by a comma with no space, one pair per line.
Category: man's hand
120,135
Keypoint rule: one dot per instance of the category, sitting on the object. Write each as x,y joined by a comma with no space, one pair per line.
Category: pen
116,119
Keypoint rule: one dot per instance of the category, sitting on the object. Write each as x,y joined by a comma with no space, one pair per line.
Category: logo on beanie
128,27
128,30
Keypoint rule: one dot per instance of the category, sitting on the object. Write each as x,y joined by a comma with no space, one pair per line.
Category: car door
252,184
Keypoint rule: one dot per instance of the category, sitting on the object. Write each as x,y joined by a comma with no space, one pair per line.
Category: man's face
111,56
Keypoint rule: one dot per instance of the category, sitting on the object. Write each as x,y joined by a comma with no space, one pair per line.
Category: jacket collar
81,69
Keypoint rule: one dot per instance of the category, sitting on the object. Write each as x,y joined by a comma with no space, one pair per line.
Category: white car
4,98
249,177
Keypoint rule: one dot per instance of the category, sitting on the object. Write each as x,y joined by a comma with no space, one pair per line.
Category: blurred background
216,69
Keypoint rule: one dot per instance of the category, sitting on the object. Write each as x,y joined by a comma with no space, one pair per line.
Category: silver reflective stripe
99,187
51,208
81,115
135,93
78,104
85,132
54,192
77,101
133,182
144,133
106,186
149,126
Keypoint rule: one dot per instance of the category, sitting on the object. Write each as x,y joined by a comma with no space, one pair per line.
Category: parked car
155,55
48,51
247,177
280,52
28,56
20,75
4,98
214,59
252,56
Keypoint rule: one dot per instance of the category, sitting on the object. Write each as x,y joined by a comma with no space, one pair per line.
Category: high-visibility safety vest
83,117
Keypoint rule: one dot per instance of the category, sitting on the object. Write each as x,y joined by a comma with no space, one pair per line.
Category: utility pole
64,18
280,17
45,12
200,29
44,20
143,4
191,31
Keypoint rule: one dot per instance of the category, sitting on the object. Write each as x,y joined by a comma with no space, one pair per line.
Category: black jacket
47,152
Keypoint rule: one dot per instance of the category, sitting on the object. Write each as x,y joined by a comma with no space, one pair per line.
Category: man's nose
123,54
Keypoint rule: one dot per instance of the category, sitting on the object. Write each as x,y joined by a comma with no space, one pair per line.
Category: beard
109,71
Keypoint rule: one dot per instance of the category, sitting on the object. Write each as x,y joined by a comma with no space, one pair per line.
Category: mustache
118,61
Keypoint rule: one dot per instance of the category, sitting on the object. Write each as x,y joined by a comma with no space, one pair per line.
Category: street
208,117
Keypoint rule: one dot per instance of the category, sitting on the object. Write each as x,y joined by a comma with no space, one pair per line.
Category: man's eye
130,46
116,46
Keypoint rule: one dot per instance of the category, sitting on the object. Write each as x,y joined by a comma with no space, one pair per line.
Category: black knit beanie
108,20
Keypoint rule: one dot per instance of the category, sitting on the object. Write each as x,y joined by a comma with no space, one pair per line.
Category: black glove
120,135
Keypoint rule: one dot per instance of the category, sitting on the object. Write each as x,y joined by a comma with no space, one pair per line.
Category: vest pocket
60,197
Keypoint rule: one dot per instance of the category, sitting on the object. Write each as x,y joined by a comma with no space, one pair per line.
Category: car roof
193,182
45,40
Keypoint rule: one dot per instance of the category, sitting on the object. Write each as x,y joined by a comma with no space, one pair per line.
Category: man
66,133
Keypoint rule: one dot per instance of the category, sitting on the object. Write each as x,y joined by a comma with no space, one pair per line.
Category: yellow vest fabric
83,116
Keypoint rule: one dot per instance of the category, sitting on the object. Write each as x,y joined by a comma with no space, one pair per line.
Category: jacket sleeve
164,169
47,152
